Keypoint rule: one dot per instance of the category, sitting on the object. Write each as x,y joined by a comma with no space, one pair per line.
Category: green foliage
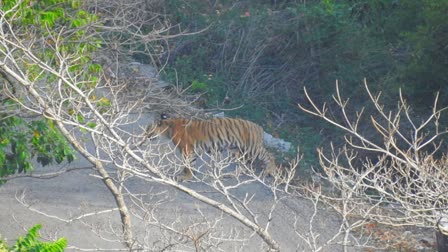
21,141
42,23
426,71
197,86
47,18
3,245
48,13
414,33
31,243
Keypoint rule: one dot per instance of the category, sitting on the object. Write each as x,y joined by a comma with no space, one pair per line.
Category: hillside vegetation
257,56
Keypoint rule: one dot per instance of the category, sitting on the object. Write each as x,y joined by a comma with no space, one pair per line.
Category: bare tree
92,111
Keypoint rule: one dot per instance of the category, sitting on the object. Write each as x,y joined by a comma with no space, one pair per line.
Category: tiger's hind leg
187,172
245,159
271,168
236,156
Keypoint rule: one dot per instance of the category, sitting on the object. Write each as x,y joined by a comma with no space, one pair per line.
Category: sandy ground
57,203
54,202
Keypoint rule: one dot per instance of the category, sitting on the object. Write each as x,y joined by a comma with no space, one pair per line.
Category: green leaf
104,102
31,242
95,68
79,118
197,86
91,125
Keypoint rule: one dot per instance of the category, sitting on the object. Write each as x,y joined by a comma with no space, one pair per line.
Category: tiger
190,136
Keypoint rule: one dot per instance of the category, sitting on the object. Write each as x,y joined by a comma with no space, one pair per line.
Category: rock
277,143
219,115
442,234
143,70
407,234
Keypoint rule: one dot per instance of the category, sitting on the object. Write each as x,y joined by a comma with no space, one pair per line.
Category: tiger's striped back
216,134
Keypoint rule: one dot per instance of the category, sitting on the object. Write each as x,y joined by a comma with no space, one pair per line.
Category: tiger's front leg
188,174
188,161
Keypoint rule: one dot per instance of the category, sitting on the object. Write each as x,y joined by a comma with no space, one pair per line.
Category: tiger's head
161,127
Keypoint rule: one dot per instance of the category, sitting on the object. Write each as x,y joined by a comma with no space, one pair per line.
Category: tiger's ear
163,116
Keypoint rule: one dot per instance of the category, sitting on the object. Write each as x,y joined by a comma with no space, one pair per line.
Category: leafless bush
403,180
132,28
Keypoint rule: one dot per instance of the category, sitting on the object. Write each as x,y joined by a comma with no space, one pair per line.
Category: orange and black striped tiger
214,134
